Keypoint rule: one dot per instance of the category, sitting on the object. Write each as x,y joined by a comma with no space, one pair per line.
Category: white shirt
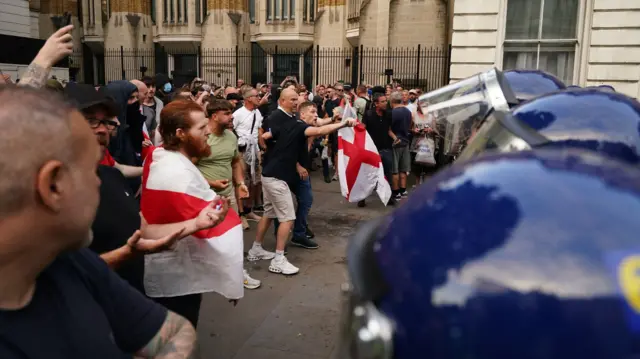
242,120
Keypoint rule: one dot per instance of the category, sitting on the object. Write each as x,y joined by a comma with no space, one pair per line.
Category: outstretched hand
349,122
149,246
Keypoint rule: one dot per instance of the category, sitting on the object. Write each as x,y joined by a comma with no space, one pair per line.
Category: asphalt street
293,317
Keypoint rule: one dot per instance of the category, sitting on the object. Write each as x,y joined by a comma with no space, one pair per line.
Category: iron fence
418,67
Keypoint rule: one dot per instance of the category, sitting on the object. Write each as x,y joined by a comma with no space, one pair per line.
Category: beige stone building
583,42
221,40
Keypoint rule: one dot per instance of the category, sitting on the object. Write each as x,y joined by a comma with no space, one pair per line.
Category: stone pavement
292,317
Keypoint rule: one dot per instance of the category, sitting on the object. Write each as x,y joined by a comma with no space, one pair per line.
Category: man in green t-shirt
223,169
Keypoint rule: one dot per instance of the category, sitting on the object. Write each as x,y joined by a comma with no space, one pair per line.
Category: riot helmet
527,255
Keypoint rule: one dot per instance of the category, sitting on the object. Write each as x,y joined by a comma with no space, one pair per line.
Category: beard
196,148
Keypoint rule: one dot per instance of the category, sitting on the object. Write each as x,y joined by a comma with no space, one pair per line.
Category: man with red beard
116,226
173,190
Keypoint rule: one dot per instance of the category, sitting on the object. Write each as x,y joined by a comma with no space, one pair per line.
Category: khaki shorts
278,201
247,169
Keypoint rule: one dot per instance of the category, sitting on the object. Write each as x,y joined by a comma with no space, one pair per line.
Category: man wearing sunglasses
99,112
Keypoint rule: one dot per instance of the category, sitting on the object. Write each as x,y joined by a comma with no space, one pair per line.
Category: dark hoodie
127,144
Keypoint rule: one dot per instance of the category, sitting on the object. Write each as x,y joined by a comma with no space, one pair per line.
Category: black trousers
187,306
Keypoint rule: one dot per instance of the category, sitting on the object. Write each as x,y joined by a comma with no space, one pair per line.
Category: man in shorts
399,132
279,176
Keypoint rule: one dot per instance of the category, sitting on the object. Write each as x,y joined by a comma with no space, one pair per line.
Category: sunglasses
109,124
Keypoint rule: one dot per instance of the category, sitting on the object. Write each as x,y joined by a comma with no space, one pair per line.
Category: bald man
48,199
280,174
150,123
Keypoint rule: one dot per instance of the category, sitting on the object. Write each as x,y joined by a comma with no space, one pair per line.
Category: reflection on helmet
602,121
531,254
529,84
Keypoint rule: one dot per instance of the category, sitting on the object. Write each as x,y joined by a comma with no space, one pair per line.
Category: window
153,11
278,10
312,10
165,14
252,11
185,18
292,9
542,34
305,8
105,7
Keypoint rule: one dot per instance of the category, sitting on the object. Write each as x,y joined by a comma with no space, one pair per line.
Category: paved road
289,317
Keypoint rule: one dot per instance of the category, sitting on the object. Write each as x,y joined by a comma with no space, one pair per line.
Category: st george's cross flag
359,163
174,190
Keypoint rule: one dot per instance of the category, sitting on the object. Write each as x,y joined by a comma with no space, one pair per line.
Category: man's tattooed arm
35,76
175,340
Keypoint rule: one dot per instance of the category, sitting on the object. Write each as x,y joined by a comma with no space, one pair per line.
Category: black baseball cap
84,96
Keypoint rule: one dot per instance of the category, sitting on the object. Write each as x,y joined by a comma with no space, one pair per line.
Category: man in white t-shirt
246,122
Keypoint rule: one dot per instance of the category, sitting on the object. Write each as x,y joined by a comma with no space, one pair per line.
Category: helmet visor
460,108
501,132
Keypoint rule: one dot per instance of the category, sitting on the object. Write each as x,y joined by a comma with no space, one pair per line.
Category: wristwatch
240,184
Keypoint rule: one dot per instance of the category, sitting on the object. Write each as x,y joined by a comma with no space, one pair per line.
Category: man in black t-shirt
279,175
302,235
377,121
56,300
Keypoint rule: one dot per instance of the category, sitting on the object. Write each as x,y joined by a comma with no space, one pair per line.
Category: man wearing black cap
236,101
116,235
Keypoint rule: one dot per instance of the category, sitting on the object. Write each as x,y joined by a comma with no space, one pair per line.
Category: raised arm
325,130
176,339
58,46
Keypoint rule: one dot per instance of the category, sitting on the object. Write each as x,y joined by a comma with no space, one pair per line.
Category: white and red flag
359,163
174,191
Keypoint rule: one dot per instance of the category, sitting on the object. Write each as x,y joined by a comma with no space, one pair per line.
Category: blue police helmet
530,254
528,84
602,121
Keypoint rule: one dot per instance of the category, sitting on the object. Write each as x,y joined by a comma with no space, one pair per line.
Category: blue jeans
304,196
387,163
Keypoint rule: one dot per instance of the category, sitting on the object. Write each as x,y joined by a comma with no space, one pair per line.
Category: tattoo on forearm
35,76
175,340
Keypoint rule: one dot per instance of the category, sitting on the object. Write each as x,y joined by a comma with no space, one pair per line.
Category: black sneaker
309,233
327,179
307,243
362,203
258,209
392,202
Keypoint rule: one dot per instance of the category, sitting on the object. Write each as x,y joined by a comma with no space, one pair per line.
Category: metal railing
419,67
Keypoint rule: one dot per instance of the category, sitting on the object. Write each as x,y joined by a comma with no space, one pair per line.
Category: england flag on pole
174,191
359,163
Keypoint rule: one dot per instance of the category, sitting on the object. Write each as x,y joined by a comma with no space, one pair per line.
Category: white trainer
256,254
282,265
250,283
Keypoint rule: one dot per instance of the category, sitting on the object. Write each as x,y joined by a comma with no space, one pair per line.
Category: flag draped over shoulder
211,260
359,163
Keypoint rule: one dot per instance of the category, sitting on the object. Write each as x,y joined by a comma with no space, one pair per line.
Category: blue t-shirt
401,123
80,309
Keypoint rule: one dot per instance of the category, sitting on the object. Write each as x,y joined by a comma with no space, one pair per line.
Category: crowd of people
172,161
